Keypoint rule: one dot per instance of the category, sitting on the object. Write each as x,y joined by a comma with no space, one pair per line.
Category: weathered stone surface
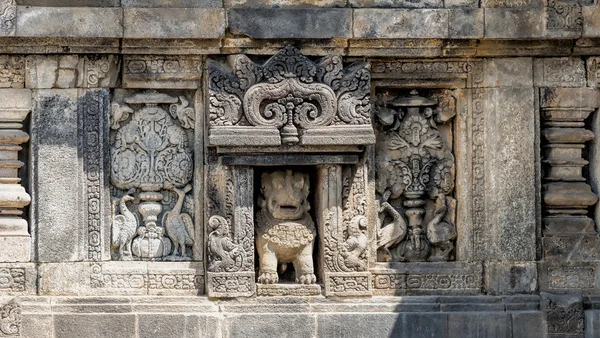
18,279
525,23
461,3
508,72
105,325
400,23
171,3
559,72
592,324
591,21
510,160
465,23
169,72
197,23
8,17
511,3
284,3
593,71
397,3
511,277
69,3
564,314
57,22
269,325
12,72
267,23
56,200
479,325
528,324
560,277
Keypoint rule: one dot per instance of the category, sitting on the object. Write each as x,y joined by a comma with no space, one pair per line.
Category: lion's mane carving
285,231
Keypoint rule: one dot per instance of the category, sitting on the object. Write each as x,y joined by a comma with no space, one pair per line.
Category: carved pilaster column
566,192
15,240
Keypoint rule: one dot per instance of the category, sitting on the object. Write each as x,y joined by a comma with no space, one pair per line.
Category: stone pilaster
15,240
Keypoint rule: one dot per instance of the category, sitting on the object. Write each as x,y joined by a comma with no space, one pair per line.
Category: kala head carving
285,231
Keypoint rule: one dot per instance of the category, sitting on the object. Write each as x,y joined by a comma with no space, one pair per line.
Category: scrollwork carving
10,320
289,94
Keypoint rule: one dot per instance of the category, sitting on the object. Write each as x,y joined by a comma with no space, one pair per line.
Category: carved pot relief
415,178
151,165
285,231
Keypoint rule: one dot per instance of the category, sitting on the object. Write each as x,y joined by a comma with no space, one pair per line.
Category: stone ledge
198,23
69,22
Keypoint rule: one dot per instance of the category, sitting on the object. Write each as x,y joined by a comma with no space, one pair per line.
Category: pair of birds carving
178,225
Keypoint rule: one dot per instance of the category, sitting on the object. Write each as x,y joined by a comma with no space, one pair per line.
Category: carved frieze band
10,320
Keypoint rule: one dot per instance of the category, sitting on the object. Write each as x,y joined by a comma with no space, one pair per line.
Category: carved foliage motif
12,279
151,153
346,245
289,93
564,313
10,320
564,15
414,160
8,17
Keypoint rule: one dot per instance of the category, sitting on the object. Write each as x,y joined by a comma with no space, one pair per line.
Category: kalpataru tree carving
414,161
289,100
151,168
285,231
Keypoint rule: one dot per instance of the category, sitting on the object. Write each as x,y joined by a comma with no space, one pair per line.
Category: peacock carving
179,225
123,227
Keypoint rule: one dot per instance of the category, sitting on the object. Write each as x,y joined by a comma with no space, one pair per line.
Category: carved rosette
289,100
230,244
151,170
415,181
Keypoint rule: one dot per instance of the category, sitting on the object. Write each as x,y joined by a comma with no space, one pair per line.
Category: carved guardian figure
285,231
124,228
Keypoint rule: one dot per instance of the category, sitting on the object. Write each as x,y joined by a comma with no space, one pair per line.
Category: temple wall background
443,156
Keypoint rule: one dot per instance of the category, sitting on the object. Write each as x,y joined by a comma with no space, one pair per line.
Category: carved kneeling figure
285,231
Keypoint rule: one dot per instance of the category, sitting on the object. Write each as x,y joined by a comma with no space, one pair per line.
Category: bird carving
183,113
179,225
394,232
118,114
123,227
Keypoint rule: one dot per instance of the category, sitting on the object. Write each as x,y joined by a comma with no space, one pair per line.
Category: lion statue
285,231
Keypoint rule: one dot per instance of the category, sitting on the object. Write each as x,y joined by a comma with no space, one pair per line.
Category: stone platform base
161,317
288,290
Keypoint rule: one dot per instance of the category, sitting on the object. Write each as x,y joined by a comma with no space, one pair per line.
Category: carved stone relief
564,15
8,17
289,100
414,161
230,245
151,171
564,314
10,320
285,231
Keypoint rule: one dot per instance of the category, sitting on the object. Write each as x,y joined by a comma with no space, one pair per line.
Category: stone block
559,72
569,98
15,248
12,74
510,166
524,23
591,21
475,325
461,3
55,171
8,16
18,279
465,23
267,325
284,3
37,325
593,72
40,71
508,72
564,19
528,324
172,3
359,325
154,71
69,3
561,277
58,22
266,23
95,325
592,324
400,23
510,277
578,248
174,23
397,3
511,3
176,325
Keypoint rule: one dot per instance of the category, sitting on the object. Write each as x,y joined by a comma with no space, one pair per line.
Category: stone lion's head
285,194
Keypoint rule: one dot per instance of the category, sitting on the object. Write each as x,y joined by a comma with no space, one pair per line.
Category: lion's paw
268,278
307,278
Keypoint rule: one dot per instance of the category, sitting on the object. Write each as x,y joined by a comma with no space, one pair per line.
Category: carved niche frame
464,275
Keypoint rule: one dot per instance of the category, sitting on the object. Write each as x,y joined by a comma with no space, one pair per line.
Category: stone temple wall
333,168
